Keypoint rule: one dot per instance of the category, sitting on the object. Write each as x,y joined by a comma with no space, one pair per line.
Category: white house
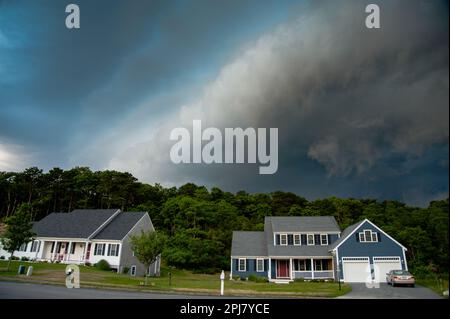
87,236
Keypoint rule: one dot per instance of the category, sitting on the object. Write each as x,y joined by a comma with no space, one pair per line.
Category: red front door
88,251
282,269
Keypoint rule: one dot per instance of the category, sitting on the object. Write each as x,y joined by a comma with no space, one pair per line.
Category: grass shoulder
181,281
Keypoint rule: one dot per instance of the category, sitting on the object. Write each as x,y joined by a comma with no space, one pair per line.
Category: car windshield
400,272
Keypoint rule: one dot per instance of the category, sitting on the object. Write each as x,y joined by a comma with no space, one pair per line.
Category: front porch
65,251
284,270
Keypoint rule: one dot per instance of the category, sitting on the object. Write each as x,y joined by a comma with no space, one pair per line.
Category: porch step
281,281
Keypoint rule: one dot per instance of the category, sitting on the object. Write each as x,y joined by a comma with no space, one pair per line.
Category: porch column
83,257
55,249
290,268
69,249
312,268
270,269
332,267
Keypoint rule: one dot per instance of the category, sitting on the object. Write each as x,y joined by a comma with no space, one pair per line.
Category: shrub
102,265
299,280
255,278
236,277
2,257
88,264
14,258
24,258
125,270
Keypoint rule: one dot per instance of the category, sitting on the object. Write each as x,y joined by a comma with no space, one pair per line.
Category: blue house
314,247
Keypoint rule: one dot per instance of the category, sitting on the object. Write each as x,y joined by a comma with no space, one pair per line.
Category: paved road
360,291
15,290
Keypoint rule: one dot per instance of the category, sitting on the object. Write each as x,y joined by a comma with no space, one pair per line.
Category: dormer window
297,241
310,239
283,240
323,239
368,236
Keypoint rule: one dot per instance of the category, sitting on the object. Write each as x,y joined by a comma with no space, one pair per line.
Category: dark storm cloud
61,88
350,103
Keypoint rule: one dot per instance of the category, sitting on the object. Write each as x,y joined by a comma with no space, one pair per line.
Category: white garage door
383,265
356,269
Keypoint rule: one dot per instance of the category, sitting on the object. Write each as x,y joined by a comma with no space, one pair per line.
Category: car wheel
393,285
413,285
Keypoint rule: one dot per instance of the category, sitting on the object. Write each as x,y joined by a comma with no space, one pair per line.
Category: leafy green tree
147,247
18,231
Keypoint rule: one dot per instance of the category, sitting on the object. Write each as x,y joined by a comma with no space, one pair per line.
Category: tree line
198,222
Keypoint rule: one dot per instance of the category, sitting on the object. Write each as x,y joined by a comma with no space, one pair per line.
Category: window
321,264
242,264
317,264
259,264
302,264
323,239
99,249
35,246
113,250
374,237
133,270
310,239
361,237
23,247
368,236
283,239
297,241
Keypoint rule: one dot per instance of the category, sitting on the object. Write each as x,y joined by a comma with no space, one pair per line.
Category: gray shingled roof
347,231
303,224
306,251
120,226
249,243
80,223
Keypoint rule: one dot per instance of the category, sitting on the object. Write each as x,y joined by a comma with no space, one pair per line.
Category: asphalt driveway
385,291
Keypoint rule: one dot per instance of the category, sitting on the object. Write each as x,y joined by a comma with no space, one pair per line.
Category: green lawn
182,281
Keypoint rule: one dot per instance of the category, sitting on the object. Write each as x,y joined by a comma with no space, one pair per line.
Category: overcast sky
360,113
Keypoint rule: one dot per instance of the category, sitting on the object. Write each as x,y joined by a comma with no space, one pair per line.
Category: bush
236,277
317,280
125,270
102,265
24,258
88,264
14,258
2,257
299,280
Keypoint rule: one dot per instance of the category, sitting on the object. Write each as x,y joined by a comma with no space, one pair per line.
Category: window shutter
379,236
303,239
236,264
316,239
247,265
290,239
357,237
255,261
277,240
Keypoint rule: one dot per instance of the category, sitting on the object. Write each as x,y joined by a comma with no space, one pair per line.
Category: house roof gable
349,231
